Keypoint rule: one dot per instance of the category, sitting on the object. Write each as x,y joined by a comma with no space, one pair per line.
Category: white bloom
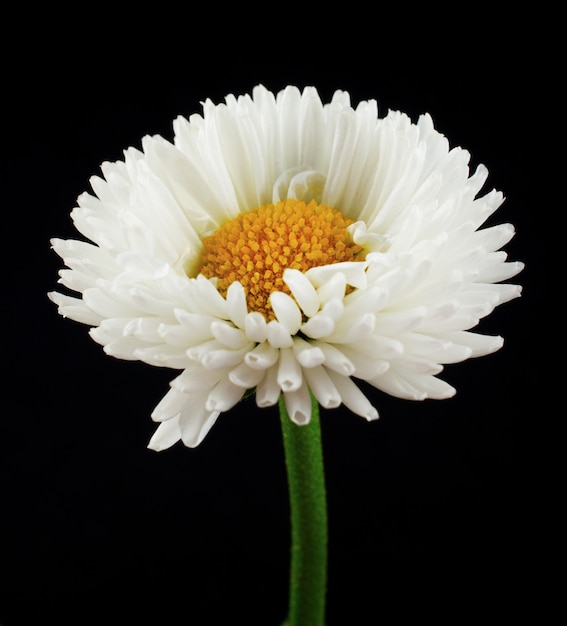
283,245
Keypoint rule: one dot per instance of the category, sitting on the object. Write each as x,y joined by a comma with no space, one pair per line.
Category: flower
285,246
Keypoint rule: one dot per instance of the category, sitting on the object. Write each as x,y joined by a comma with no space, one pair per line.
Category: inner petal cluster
256,247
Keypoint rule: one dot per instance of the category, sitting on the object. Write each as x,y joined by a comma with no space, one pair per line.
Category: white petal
236,304
119,348
342,156
298,184
394,322
319,326
210,302
286,311
140,266
85,254
370,300
167,434
502,271
302,290
144,328
255,327
508,292
221,359
223,396
434,387
298,405
174,357
379,347
245,376
397,385
181,335
366,367
195,379
371,241
289,371
278,335
437,318
228,335
199,324
195,423
268,390
334,309
76,280
437,349
197,352
354,272
419,365
150,302
353,329
480,345
106,306
495,237
352,397
322,387
333,289
306,354
75,309
170,406
335,359
412,386
262,356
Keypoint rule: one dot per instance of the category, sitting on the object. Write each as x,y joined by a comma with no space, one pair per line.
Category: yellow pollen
257,246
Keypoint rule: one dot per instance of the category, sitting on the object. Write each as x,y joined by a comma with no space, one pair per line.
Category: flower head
286,246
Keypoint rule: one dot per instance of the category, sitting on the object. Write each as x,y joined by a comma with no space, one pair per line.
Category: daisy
288,247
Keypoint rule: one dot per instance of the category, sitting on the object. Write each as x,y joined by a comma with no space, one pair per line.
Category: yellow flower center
256,247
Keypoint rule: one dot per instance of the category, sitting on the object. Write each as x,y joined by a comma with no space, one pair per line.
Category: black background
437,511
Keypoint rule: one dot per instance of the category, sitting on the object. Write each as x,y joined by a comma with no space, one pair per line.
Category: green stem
308,505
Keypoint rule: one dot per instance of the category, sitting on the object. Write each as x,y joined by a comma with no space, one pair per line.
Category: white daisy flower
285,246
